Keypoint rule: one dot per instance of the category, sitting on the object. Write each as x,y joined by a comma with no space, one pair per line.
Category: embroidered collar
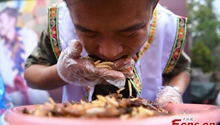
150,38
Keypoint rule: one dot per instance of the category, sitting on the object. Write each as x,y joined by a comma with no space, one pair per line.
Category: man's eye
90,34
128,34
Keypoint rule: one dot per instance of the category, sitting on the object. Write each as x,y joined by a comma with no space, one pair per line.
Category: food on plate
111,106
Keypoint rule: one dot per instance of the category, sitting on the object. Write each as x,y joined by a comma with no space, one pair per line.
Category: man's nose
110,48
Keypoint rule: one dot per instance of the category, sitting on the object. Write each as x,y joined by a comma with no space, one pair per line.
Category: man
120,31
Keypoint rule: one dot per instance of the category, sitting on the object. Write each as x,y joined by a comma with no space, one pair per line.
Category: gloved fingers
74,49
128,72
113,77
74,69
126,61
83,74
168,94
71,67
124,65
67,59
64,65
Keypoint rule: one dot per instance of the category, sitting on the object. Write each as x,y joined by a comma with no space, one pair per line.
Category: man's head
8,19
111,29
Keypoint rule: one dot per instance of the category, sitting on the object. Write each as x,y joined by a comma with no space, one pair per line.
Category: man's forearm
181,81
43,77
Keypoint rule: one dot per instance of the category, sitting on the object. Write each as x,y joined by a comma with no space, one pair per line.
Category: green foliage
202,57
203,25
3,0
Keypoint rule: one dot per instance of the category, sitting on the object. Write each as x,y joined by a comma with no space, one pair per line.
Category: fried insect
105,64
130,88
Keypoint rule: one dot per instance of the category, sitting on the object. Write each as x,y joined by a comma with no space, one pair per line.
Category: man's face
111,29
6,23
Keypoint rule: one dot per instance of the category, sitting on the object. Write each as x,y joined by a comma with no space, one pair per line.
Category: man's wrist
177,89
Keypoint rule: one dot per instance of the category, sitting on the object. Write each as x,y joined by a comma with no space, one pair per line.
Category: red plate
188,114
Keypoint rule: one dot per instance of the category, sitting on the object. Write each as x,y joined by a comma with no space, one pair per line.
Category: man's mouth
105,59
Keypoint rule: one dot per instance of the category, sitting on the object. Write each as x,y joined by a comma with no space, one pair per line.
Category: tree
202,57
204,26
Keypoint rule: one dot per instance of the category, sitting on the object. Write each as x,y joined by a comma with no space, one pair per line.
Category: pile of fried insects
111,106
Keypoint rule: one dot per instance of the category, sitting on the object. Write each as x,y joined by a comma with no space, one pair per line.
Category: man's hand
168,94
125,65
78,70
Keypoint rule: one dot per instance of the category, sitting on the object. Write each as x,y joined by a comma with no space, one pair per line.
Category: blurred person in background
15,45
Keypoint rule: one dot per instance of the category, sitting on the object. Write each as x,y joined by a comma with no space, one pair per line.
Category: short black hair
153,2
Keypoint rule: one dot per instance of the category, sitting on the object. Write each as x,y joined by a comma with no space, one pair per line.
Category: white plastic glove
78,70
168,94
